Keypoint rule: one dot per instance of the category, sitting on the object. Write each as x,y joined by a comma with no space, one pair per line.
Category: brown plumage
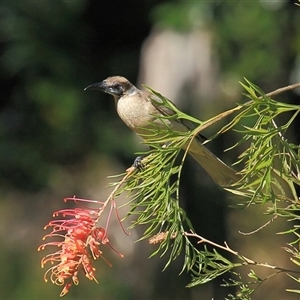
138,111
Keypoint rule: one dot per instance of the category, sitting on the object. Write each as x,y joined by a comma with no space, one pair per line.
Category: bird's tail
221,173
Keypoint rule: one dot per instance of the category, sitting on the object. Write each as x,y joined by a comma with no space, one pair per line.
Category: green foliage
270,162
269,174
181,16
246,51
244,291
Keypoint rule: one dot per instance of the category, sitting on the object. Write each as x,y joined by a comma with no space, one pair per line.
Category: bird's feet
138,164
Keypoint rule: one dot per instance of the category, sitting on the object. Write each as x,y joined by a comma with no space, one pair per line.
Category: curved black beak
97,86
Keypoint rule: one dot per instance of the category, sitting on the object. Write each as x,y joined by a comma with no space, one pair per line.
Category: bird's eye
117,89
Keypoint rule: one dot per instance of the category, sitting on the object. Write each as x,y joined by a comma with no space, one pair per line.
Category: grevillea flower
79,243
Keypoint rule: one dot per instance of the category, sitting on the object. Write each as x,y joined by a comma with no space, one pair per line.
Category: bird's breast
136,113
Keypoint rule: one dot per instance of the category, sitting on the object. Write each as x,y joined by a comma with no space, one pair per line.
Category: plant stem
247,261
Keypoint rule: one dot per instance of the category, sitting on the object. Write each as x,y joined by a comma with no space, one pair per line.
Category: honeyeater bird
139,110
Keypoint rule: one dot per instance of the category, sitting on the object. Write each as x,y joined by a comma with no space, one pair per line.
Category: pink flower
79,244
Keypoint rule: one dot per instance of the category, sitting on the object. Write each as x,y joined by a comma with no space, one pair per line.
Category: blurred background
58,141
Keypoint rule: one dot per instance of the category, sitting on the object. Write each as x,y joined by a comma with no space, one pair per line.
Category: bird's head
117,86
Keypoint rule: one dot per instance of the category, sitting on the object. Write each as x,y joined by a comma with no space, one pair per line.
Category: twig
247,261
129,171
259,228
283,89
230,111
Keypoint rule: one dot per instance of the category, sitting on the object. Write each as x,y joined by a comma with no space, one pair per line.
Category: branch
111,196
247,261
283,89
259,228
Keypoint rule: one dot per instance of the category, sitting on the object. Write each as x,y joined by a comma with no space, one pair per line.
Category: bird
141,110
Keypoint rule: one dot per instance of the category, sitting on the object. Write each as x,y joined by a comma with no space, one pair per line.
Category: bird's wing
167,111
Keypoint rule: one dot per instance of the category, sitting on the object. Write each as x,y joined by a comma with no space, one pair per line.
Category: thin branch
111,196
247,261
274,93
283,89
259,228
230,111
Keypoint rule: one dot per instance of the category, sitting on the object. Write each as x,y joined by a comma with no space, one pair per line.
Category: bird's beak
101,86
